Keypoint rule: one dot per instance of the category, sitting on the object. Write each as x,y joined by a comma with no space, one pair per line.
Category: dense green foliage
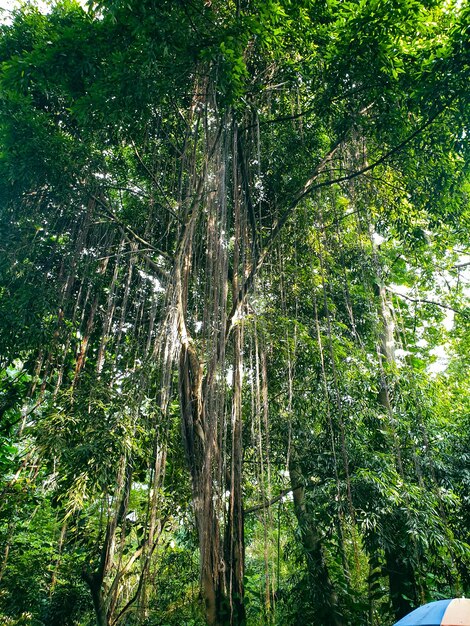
234,323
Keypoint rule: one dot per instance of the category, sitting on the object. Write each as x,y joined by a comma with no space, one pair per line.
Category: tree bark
201,369
199,446
234,531
234,541
326,601
95,580
94,583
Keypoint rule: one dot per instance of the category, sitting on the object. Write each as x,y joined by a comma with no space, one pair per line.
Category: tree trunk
234,531
95,580
94,583
401,578
325,597
199,444
201,392
234,541
401,575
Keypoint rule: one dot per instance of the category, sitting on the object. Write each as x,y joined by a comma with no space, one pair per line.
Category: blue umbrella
441,613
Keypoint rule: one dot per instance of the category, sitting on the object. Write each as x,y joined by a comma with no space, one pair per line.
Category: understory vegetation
234,317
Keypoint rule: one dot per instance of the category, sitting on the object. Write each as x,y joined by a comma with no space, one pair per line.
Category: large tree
174,174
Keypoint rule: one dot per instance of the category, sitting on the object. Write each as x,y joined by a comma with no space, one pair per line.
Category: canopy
441,613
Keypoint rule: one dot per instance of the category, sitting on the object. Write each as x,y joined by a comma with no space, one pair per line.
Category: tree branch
135,597
459,266
307,189
267,503
271,239
127,230
425,301
156,182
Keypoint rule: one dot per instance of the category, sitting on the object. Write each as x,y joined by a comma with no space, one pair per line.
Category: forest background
234,323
